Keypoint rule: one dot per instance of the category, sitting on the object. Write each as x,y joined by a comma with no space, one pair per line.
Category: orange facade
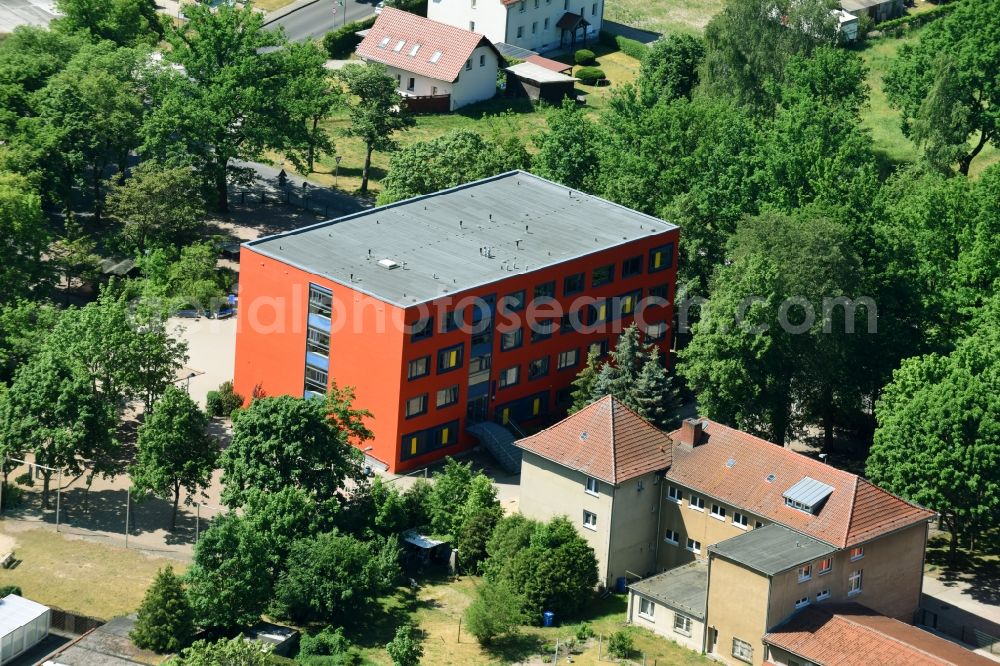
371,344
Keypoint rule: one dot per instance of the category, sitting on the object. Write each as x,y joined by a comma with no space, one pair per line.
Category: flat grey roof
539,74
684,588
16,611
771,549
459,238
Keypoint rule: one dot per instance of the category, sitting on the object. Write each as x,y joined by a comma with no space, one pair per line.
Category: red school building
473,304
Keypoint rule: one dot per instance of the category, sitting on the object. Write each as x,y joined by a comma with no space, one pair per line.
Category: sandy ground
211,353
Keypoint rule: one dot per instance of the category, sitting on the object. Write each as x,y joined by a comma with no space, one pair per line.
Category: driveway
315,20
25,12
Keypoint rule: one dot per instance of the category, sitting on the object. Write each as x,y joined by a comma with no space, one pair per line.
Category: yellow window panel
506,415
453,358
444,435
657,259
602,312
413,446
536,406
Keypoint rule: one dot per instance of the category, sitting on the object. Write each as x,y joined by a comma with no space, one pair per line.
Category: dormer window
808,495
413,51
399,45
384,43
435,57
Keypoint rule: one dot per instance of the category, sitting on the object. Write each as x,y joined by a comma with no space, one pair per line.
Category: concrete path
325,199
961,610
25,12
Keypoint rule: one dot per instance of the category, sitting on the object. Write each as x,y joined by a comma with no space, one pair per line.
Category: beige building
766,532
602,468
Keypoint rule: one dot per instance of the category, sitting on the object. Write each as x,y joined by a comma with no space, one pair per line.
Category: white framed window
682,624
719,512
593,486
534,27
520,31
468,65
590,520
482,61
825,566
823,594
672,537
472,26
674,494
740,520
693,546
567,359
857,553
805,573
416,406
646,608
696,503
399,45
546,24
854,582
742,650
802,603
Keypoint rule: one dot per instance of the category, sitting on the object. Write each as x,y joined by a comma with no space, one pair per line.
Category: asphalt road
318,19
25,12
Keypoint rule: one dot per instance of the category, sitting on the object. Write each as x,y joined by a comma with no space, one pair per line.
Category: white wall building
436,65
536,25
23,624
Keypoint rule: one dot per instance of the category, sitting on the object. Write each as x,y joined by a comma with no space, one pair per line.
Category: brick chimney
690,435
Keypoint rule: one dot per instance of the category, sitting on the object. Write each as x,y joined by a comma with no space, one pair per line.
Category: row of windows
682,623
445,397
596,313
523,409
431,439
719,512
448,358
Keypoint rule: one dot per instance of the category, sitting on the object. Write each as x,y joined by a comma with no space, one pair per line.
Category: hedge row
631,47
915,20
341,43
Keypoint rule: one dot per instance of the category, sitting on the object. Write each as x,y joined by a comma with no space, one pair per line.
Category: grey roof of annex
460,238
771,549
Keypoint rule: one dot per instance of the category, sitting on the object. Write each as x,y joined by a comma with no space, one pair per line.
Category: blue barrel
548,619
620,585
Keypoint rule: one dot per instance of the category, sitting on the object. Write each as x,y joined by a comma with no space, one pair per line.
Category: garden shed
23,624
539,83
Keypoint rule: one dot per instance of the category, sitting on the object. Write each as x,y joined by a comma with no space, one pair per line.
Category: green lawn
664,16
892,147
435,611
81,576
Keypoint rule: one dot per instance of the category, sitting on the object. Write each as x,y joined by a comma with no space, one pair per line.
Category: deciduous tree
230,652
569,150
375,110
670,68
125,22
495,613
25,234
946,87
175,450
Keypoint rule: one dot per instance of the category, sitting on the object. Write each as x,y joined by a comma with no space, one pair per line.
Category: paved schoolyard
25,12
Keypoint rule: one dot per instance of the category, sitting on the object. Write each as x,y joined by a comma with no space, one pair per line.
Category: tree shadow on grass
378,626
516,648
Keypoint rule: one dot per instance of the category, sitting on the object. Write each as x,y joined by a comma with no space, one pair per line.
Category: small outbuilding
672,604
23,624
539,83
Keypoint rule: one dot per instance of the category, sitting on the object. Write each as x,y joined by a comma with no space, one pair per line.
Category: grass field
271,5
883,121
436,608
664,16
79,576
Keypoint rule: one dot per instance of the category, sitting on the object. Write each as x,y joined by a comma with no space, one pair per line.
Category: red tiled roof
605,440
455,44
853,635
548,63
856,511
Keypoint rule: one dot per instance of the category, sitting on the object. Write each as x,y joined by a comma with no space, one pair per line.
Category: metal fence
72,623
313,203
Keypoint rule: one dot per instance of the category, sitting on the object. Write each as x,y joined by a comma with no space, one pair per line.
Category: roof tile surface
454,44
853,635
856,511
605,440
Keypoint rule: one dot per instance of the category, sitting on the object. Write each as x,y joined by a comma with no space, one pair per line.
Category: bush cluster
631,47
341,43
584,57
223,401
590,75
915,20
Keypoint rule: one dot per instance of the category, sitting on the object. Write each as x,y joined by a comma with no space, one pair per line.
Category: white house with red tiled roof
437,66
536,25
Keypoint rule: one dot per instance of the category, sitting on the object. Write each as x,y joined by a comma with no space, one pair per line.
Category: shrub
620,644
590,75
631,47
11,496
9,589
341,43
165,622
584,57
584,632
327,648
223,401
403,648
496,611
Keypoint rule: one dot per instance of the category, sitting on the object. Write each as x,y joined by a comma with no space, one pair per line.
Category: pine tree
165,621
619,377
584,384
654,396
